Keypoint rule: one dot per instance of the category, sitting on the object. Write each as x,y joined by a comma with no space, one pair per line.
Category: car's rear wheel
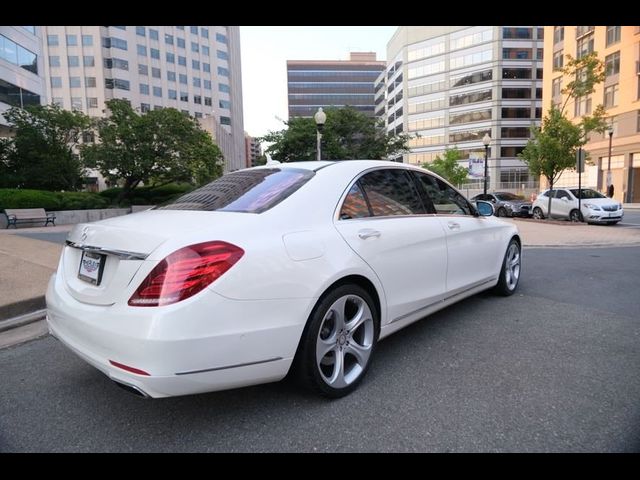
338,341
510,272
575,216
537,213
502,212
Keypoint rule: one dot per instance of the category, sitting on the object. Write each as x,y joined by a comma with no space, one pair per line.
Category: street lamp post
609,182
486,140
320,117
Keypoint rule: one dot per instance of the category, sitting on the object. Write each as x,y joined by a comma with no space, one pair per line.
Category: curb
12,310
22,320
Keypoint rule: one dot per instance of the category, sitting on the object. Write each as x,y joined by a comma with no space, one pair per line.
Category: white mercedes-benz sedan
297,267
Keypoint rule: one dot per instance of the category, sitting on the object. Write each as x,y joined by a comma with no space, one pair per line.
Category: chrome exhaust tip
137,391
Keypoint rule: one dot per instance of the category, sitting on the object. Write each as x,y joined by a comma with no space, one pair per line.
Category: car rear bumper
212,344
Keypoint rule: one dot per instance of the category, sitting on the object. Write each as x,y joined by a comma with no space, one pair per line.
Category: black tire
575,216
613,223
313,373
537,213
502,212
506,285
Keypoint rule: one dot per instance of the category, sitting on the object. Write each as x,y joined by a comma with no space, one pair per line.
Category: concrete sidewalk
26,264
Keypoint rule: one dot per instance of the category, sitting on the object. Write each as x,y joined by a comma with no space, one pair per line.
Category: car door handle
453,225
368,233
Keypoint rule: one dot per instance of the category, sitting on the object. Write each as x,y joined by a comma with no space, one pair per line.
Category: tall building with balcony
333,83
195,69
450,85
21,69
253,150
619,48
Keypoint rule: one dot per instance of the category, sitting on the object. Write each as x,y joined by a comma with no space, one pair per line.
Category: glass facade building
313,84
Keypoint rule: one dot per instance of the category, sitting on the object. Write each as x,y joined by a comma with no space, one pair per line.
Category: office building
21,70
253,150
195,69
333,83
450,85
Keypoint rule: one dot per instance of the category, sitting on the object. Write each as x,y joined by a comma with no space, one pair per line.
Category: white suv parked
595,207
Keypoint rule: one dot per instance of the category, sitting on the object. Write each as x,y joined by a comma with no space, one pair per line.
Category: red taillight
185,272
137,371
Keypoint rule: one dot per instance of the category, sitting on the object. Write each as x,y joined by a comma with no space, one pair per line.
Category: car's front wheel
338,341
502,212
510,272
575,216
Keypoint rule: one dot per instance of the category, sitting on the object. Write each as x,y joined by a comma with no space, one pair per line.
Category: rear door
474,245
384,220
561,204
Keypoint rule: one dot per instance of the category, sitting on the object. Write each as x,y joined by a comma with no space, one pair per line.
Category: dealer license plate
91,267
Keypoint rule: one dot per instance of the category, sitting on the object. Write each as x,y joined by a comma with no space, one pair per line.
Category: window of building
72,40
516,73
456,81
180,27
558,34
194,29
516,93
173,95
184,96
157,107
510,151
73,61
468,135
92,102
540,33
612,64
155,72
117,83
471,97
116,63
118,43
206,67
171,58
182,78
558,60
583,30
516,112
517,53
224,88
613,35
515,132
155,53
153,34
157,91
171,76
221,38
197,99
465,117
195,47
180,42
168,39
56,82
141,31
223,71
182,60
638,122
196,82
207,84
87,40
225,120
144,89
195,64
54,61
142,50
226,104
539,73
52,40
208,101
204,32
539,54
145,107
76,103
516,32
584,46
90,82
143,69
556,87
74,82
611,94
205,50
222,55
582,106
88,61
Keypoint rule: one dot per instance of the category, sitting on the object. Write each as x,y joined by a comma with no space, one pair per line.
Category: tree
158,147
448,167
347,135
43,152
552,148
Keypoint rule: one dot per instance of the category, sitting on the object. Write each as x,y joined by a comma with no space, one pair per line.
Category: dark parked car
506,204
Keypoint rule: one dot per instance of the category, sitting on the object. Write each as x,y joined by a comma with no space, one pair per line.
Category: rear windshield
249,191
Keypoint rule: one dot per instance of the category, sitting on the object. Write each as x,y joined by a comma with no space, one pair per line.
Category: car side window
391,192
355,205
562,194
446,201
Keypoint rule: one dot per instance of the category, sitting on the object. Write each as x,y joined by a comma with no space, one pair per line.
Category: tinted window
391,192
587,193
445,199
355,205
507,196
249,191
562,194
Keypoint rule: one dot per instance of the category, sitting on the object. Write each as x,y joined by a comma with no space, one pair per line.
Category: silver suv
595,207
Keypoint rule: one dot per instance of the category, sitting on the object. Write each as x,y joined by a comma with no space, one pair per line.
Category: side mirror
485,209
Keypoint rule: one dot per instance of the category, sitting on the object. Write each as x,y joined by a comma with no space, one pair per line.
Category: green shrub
148,195
24,198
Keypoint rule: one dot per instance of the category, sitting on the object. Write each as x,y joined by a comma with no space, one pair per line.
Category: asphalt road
555,368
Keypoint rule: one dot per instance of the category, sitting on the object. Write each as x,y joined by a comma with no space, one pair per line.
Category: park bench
28,215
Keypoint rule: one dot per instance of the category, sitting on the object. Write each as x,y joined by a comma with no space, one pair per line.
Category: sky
265,51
